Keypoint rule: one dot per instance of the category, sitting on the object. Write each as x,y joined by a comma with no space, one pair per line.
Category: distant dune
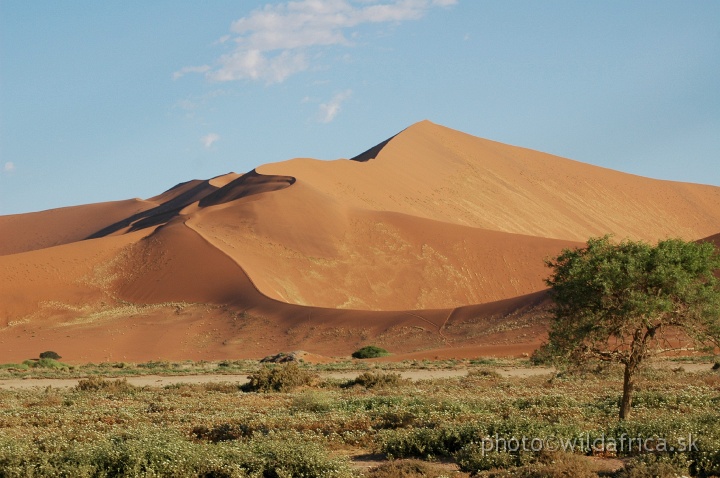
429,242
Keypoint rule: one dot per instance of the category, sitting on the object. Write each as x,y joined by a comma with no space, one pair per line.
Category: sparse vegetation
99,383
370,351
106,427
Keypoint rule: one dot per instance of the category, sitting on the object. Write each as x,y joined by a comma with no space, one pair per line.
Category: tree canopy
625,301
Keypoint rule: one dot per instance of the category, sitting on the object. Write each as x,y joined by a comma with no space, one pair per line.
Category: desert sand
430,244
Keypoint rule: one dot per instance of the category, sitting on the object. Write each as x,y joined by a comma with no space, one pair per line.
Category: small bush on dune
284,378
370,351
50,355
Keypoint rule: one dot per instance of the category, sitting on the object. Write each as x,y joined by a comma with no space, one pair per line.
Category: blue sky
103,101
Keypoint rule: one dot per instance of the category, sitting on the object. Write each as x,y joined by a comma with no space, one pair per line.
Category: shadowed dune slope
167,205
715,239
437,173
246,185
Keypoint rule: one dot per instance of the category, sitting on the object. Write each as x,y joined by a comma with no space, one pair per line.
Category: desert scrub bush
99,383
221,387
224,432
379,380
546,464
50,355
474,458
289,455
312,401
655,466
483,373
426,443
283,378
370,351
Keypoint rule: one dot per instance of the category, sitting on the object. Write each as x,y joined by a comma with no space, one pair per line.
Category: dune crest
437,173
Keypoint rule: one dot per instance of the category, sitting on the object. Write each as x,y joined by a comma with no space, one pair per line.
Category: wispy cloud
209,139
329,110
190,69
272,42
8,167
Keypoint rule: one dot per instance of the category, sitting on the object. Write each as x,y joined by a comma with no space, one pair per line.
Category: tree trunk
628,386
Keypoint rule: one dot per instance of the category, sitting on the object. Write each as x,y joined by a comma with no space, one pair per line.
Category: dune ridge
437,173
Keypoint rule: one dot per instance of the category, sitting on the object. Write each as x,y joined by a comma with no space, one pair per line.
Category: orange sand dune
38,230
434,172
316,252
430,242
60,283
173,295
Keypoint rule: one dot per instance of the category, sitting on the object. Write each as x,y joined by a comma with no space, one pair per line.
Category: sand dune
431,240
29,232
437,173
316,252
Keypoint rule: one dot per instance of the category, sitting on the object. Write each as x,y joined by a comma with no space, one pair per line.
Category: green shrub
50,355
474,458
426,443
291,455
379,380
223,432
370,351
312,401
655,466
18,366
45,363
283,378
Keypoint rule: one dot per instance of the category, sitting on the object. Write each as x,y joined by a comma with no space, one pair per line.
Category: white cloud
271,43
209,139
253,65
190,69
9,167
329,110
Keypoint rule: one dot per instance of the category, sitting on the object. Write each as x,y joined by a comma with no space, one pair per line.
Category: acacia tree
623,302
